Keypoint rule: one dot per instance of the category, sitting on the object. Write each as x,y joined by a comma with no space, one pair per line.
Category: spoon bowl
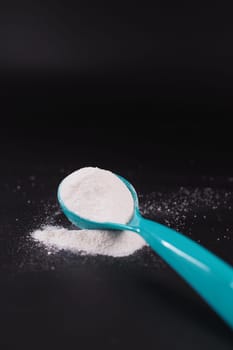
207,274
95,225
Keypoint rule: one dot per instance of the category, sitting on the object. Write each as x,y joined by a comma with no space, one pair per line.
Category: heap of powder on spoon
97,195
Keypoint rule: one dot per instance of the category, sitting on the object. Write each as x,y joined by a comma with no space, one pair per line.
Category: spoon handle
210,276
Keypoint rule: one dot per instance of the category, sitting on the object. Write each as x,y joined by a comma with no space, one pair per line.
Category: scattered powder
93,242
97,195
185,205
182,209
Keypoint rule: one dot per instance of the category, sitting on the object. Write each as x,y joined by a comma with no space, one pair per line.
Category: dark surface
67,301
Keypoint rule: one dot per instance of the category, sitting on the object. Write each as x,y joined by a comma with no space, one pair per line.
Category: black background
177,57
124,58
60,301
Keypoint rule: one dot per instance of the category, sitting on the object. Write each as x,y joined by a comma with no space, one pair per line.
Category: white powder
94,242
97,195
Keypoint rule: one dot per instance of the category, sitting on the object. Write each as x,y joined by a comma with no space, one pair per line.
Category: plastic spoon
209,276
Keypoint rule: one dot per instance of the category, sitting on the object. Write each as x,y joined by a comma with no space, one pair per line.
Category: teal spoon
209,276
